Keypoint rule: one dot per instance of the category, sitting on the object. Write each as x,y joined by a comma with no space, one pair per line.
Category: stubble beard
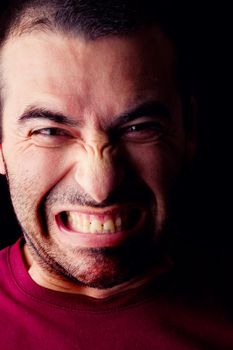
100,268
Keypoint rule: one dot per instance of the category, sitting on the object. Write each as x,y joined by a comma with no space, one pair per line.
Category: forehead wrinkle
111,90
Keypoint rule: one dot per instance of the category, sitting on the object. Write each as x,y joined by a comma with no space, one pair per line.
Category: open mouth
108,222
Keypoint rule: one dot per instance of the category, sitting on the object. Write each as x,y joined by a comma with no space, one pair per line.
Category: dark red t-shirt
153,317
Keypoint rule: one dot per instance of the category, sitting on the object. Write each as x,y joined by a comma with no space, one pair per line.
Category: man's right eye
50,132
50,137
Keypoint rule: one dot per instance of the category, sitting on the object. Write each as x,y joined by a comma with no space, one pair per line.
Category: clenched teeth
85,223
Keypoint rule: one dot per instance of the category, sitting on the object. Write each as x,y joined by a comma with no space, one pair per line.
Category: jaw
117,247
93,287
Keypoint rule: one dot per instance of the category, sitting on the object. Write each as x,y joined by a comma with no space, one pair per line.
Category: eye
50,136
142,132
50,132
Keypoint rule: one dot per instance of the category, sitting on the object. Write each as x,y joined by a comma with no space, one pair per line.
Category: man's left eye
142,131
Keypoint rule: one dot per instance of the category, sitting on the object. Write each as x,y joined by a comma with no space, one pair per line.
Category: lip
99,240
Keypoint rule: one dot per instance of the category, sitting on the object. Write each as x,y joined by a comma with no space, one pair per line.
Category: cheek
157,165
35,171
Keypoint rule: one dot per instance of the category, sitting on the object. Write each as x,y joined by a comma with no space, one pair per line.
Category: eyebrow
149,108
34,112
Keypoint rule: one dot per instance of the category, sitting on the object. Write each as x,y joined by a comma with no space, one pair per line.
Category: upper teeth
93,223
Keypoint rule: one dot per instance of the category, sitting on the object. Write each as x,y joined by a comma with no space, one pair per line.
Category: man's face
93,141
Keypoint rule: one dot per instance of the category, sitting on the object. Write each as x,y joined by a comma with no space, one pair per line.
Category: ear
2,164
191,130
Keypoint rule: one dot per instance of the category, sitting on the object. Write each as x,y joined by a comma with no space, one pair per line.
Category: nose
98,171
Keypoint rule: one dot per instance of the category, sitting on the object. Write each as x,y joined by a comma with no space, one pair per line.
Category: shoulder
6,256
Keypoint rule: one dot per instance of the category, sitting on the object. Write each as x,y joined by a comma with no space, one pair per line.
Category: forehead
72,73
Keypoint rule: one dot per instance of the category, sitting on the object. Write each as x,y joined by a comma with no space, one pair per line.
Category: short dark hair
89,18
93,19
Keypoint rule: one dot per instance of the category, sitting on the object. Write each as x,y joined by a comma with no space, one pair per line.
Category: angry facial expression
93,140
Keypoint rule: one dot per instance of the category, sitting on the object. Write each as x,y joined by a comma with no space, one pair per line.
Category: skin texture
96,162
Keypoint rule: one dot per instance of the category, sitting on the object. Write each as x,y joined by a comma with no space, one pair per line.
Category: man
97,127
